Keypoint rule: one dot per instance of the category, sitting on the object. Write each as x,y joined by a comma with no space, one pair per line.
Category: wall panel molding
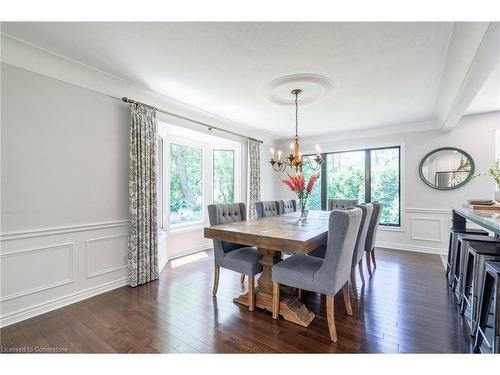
103,271
442,211
61,230
439,222
70,279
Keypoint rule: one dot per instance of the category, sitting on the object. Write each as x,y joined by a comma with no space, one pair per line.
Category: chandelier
296,159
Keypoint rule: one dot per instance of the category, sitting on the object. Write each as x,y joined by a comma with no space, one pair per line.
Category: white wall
64,193
426,211
64,219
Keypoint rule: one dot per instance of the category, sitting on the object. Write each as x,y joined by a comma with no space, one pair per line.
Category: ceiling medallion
314,87
296,159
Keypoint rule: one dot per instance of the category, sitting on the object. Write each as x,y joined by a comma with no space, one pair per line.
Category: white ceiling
383,73
488,98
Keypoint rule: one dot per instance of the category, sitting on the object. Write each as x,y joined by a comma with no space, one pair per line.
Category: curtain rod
210,127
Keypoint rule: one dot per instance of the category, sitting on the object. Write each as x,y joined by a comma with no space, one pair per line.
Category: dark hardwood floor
406,307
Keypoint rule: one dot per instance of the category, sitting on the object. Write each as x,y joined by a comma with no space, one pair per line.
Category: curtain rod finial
126,100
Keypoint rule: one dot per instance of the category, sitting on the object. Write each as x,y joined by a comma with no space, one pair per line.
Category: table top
487,219
282,232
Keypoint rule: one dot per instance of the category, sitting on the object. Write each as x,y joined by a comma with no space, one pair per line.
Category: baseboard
59,302
418,249
162,264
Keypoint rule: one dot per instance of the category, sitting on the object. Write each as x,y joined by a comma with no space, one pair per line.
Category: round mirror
446,168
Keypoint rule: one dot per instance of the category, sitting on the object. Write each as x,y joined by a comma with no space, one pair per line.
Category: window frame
368,181
207,146
213,150
192,144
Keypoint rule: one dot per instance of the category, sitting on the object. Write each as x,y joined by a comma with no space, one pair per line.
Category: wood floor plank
405,308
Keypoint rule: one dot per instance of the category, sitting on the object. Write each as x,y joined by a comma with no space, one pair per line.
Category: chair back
343,230
287,206
359,251
267,208
373,228
223,214
341,204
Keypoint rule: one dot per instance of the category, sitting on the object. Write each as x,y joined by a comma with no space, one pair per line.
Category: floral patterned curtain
143,230
253,176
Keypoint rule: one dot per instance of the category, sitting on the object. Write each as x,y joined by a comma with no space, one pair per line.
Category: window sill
186,228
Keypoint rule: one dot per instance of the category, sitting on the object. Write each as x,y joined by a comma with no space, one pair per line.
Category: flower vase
303,207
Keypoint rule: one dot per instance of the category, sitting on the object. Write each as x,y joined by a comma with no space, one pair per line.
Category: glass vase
303,208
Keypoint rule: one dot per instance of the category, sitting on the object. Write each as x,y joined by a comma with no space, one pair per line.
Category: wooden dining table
272,236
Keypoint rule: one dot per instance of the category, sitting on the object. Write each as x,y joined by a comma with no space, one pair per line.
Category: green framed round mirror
446,168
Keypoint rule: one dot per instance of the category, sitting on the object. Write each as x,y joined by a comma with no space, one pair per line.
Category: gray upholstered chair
359,251
326,276
372,236
239,258
341,204
334,204
287,206
267,208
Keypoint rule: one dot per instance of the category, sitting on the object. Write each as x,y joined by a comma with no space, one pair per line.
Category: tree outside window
223,176
186,184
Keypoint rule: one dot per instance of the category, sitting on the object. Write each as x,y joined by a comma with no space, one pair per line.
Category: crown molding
412,127
30,57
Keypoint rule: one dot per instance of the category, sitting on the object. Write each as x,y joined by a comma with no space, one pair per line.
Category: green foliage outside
315,196
346,180
186,184
346,176
223,176
385,183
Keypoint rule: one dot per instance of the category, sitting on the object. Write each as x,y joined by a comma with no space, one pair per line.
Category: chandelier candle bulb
279,154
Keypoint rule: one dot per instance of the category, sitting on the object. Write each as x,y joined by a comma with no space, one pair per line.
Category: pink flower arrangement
298,185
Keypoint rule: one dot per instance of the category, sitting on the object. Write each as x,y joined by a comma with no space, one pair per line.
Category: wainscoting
43,270
422,230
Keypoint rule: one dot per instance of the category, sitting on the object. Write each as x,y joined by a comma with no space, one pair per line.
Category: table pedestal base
291,308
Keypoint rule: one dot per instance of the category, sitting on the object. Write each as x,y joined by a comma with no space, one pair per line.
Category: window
194,170
369,175
223,176
385,184
315,196
186,184
345,173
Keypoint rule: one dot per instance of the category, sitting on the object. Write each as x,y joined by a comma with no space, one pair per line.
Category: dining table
273,236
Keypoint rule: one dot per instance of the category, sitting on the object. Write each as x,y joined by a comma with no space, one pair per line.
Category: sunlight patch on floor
188,259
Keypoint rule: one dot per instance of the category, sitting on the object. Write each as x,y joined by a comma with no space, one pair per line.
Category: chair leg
368,265
299,293
216,280
251,293
353,281
242,278
347,298
330,314
361,273
276,300
373,258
